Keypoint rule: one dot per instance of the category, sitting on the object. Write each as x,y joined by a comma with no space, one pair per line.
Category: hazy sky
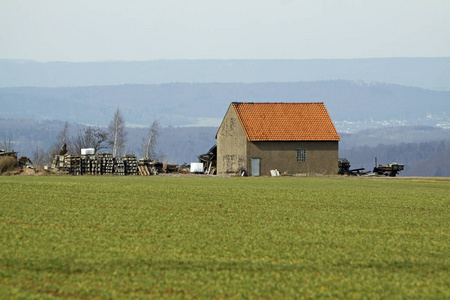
100,30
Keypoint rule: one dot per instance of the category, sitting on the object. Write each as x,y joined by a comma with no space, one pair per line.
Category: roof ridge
282,102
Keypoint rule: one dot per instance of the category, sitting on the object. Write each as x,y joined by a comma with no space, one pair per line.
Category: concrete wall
321,157
231,144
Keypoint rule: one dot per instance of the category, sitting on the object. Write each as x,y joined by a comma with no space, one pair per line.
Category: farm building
294,138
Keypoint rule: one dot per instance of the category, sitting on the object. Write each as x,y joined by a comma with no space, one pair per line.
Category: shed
294,138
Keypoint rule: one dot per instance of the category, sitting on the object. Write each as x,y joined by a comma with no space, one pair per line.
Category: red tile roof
286,121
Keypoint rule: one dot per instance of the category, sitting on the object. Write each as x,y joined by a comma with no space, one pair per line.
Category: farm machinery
344,168
25,162
387,170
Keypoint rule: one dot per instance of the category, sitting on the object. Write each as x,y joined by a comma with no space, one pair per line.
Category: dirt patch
27,172
19,171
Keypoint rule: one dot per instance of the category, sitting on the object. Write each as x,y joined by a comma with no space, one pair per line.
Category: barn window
301,154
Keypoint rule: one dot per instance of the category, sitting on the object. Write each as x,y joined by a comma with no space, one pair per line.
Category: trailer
389,170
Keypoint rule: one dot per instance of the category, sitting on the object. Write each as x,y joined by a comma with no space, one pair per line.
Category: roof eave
315,140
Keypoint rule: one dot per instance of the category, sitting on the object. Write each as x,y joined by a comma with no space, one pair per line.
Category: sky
137,30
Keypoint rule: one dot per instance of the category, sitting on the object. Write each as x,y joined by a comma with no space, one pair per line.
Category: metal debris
209,161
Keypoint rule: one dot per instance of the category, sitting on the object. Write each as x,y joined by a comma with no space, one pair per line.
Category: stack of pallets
95,165
106,163
59,164
73,163
143,166
119,166
149,167
90,165
131,164
85,165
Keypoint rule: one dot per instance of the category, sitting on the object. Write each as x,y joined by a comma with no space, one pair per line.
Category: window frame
301,155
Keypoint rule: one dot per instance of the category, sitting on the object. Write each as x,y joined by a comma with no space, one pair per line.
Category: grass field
190,237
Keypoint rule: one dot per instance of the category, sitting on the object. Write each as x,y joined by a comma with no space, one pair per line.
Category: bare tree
7,143
148,144
117,134
90,137
62,144
63,140
38,158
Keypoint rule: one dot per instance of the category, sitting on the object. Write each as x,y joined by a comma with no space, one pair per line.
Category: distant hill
393,136
189,104
427,73
409,98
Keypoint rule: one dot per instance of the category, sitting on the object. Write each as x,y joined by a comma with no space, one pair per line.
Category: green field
191,237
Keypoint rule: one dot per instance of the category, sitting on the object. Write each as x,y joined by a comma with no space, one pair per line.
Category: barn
294,138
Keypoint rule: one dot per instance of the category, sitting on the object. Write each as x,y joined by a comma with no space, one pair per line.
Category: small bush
7,163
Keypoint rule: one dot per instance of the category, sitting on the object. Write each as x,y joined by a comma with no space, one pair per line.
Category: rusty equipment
344,168
390,170
25,162
209,160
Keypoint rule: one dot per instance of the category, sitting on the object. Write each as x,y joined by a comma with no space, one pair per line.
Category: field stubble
109,237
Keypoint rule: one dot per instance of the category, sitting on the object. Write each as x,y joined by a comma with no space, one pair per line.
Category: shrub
7,163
